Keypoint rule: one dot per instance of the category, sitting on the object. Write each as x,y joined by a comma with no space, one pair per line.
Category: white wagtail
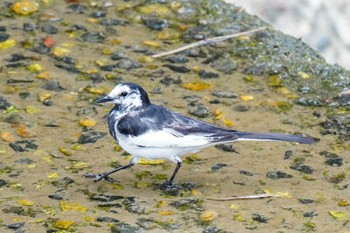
150,131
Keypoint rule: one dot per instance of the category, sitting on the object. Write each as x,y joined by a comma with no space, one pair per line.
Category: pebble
246,173
199,110
14,118
154,23
30,26
107,219
52,86
211,229
113,22
288,154
24,95
16,226
98,14
242,108
78,8
69,68
225,94
4,36
278,175
2,183
224,65
259,218
128,64
226,147
306,201
124,227
49,29
207,75
218,166
90,137
23,145
93,37
335,162
118,55
179,69
4,104
168,80
177,59
63,182
303,168
310,214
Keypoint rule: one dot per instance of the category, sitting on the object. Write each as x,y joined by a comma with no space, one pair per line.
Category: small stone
93,37
49,29
224,65
226,148
14,118
278,175
53,86
225,94
335,162
3,183
16,226
98,14
169,80
128,64
200,111
207,75
107,219
25,161
112,22
177,59
124,228
288,154
246,173
4,104
4,37
24,145
242,108
90,137
310,214
218,166
302,168
155,23
179,69
118,55
306,201
259,218
329,155
211,229
29,27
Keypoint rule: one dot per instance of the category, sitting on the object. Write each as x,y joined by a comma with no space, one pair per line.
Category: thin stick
259,196
207,41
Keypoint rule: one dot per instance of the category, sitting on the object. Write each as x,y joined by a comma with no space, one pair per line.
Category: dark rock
259,218
63,182
24,95
58,195
169,80
16,57
16,81
216,101
218,166
77,8
93,37
224,94
113,22
184,204
90,136
24,161
98,14
4,36
246,173
4,104
335,162
14,118
52,86
177,59
16,226
303,168
134,207
226,148
47,103
306,201
69,68
329,155
107,219
3,183
192,99
278,175
23,145
41,49
155,23
207,75
128,64
310,214
224,65
147,223
2,28
124,228
49,29
179,69
105,197
29,27
308,102
199,110
288,154
108,67
211,229
242,108
118,55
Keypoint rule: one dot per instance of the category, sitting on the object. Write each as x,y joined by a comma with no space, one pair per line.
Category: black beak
103,99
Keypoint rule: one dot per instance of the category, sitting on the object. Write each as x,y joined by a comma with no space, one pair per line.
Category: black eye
123,94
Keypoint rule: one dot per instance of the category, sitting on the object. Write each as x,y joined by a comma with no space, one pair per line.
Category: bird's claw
98,177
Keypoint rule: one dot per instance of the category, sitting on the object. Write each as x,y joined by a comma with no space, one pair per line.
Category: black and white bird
150,131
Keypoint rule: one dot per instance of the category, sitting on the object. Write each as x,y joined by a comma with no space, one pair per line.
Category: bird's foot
169,188
98,177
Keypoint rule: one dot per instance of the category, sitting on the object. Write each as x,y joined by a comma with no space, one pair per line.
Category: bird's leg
105,175
170,181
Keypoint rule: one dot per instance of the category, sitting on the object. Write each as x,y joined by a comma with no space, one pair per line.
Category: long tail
273,137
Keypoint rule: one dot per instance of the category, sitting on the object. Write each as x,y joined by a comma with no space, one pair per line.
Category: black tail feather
274,137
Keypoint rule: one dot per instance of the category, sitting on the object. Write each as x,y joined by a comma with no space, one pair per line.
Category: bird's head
126,96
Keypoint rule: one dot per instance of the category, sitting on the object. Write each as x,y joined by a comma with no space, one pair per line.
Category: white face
125,97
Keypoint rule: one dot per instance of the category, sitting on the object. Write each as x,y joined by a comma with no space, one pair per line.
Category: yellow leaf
87,122
60,52
338,215
7,44
53,175
32,110
161,203
42,75
303,75
208,216
196,86
72,206
343,203
63,224
150,162
246,97
165,212
44,96
151,43
6,137
156,8
239,218
25,202
25,7
65,151
35,68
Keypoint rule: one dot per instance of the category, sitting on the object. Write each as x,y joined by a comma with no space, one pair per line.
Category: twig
207,41
259,196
